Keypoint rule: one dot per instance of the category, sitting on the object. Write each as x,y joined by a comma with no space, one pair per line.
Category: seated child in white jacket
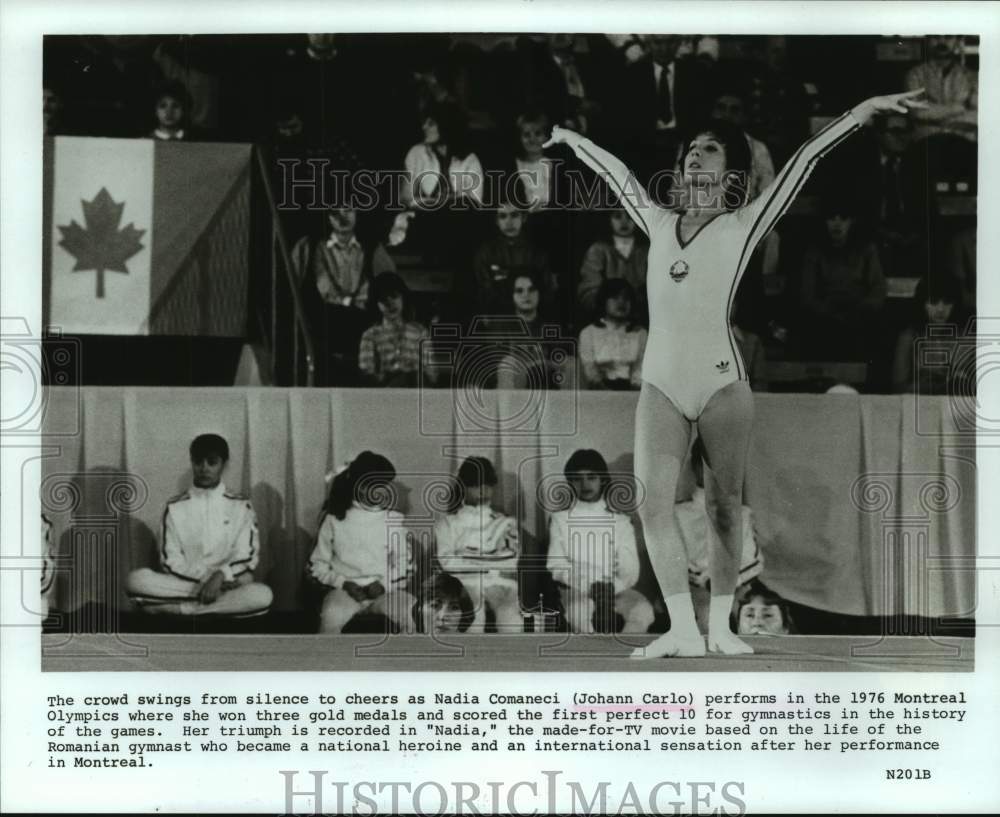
472,530
362,552
593,554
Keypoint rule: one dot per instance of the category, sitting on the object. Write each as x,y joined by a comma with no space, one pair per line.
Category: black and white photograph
414,403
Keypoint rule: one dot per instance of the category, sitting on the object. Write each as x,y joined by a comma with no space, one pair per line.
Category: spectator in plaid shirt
390,350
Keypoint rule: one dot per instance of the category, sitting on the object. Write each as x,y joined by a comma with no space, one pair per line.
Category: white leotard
691,352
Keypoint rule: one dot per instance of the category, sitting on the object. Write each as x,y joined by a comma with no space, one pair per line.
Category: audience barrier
863,505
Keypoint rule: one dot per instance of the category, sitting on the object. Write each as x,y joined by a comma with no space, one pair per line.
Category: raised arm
613,170
765,211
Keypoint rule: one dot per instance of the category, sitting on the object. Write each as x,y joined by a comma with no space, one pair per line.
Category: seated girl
442,166
926,359
621,254
611,348
593,554
475,538
535,357
362,553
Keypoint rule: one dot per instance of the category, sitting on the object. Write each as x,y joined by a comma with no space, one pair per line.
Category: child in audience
761,612
443,606
611,348
210,547
843,288
362,552
335,270
173,104
535,359
926,361
534,171
593,554
622,253
472,530
390,350
508,254
442,167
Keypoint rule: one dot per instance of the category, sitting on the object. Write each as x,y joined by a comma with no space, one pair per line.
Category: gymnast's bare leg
724,426
662,434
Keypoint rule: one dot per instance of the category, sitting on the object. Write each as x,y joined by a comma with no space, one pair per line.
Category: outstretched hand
892,103
898,103
563,136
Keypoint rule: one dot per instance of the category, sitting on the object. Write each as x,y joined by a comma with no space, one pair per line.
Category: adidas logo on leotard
679,270
722,366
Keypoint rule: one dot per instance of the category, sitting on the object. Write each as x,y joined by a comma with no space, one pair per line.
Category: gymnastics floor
545,652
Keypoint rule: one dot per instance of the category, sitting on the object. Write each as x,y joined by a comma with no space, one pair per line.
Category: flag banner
146,237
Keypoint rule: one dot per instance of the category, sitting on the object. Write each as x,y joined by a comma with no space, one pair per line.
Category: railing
299,338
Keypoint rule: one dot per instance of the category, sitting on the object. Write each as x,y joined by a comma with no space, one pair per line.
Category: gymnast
692,371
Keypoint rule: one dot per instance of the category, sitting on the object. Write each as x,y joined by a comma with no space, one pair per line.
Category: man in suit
660,96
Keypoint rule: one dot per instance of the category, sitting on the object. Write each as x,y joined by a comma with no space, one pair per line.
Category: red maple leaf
101,246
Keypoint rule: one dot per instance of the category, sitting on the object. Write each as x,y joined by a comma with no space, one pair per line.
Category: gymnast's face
705,160
757,617
586,485
207,470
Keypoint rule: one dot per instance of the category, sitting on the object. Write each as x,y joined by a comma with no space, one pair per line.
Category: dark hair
731,87
838,204
474,472
756,588
934,289
882,120
587,459
367,479
178,91
204,445
739,159
445,589
388,284
612,288
452,128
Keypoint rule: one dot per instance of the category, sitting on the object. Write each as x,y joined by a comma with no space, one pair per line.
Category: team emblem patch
679,270
722,366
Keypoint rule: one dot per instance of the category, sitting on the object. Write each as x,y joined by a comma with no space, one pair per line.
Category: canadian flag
145,237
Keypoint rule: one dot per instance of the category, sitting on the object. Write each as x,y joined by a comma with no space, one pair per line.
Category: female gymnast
691,370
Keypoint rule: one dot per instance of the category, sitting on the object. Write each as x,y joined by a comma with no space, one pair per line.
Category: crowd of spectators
463,119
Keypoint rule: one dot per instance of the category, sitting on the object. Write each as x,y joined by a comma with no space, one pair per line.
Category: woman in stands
692,371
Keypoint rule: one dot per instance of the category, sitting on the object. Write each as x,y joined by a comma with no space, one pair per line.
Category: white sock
720,636
681,610
683,639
